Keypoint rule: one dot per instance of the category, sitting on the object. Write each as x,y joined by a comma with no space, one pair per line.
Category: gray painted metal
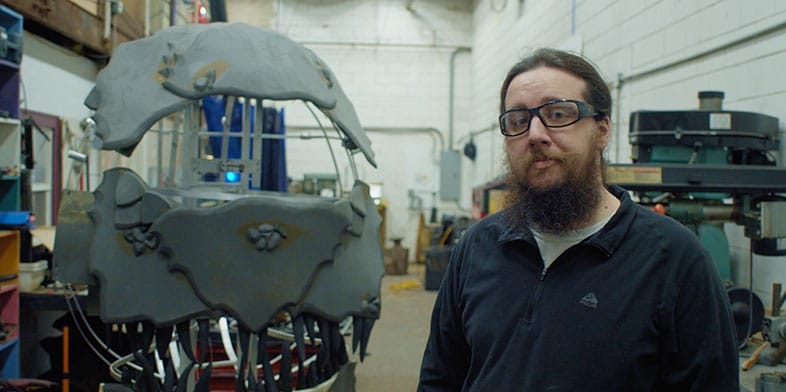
142,244
132,287
349,285
156,255
150,78
226,268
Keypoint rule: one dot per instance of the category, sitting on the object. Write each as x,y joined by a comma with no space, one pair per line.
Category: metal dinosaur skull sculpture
288,268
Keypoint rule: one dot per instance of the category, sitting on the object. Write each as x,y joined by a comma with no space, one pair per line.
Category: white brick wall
394,65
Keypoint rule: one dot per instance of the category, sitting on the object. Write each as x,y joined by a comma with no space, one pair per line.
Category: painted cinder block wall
393,59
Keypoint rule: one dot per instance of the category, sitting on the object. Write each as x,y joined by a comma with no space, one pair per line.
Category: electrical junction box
450,176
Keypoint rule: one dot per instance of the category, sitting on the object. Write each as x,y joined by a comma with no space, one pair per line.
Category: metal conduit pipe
433,132
374,45
728,45
451,93
173,12
388,130
147,18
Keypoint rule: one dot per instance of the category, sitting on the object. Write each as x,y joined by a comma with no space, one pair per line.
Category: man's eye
557,114
520,121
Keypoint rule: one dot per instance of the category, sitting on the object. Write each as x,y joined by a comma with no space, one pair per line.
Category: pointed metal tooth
243,333
299,330
339,349
285,370
182,383
267,371
251,381
253,360
203,336
203,384
170,376
324,333
314,370
147,381
184,336
366,334
357,327
163,337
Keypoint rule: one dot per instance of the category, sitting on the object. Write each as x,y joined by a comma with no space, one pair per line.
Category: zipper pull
543,274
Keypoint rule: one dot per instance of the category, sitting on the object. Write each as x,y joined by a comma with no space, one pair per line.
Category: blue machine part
274,166
693,156
714,239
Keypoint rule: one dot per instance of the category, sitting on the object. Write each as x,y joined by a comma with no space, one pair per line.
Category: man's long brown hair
596,93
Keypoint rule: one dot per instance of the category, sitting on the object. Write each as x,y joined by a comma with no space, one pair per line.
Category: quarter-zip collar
607,239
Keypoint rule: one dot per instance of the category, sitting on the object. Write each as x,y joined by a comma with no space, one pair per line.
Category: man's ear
604,132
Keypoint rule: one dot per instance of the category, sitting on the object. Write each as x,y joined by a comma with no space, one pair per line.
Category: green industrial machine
707,167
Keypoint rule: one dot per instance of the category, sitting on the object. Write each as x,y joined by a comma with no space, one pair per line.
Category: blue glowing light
231,176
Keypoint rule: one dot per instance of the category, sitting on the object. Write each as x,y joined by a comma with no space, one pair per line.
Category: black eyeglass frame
585,110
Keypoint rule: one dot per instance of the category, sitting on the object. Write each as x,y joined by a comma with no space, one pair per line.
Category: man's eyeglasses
553,114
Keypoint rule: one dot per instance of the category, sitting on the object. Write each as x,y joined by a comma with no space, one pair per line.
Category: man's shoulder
664,226
495,222
489,228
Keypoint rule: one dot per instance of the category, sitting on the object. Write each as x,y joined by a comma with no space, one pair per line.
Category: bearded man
574,287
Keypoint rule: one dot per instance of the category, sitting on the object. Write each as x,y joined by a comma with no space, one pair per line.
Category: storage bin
31,275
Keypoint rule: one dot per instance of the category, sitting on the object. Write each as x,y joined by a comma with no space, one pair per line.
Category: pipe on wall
451,92
172,12
434,132
705,53
107,18
147,18
617,94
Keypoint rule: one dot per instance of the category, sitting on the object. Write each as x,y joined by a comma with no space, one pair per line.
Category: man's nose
538,132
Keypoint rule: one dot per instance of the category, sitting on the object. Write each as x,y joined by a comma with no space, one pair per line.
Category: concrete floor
399,336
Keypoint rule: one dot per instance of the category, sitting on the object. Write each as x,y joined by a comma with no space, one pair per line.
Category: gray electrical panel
450,176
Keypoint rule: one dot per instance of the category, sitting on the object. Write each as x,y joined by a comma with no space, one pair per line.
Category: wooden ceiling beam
77,24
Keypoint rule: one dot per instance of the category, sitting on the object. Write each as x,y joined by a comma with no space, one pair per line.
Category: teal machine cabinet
707,167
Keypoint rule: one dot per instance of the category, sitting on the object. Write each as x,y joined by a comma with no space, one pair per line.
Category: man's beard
559,208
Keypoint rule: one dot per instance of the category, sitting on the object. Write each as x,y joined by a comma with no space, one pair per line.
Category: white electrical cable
226,340
174,354
127,360
81,332
159,362
119,361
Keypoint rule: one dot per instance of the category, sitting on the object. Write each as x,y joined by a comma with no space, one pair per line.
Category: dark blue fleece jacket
638,306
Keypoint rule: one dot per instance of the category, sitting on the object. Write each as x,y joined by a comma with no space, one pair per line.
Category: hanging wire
330,148
352,165
71,296
77,310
